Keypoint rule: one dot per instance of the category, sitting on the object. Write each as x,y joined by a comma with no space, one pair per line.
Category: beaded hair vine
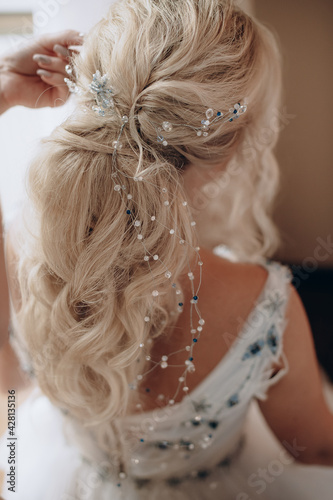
104,103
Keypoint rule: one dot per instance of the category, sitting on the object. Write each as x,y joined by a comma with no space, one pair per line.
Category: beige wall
305,151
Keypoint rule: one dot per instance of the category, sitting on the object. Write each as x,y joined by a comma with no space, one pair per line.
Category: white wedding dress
215,444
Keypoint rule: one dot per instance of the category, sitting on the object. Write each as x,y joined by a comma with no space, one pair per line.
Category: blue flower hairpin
103,93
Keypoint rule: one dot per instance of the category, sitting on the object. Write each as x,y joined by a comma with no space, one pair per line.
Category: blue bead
180,304
231,120
142,440
128,212
191,359
195,297
218,113
195,340
235,111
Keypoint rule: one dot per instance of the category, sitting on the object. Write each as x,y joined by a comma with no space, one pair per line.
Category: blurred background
304,211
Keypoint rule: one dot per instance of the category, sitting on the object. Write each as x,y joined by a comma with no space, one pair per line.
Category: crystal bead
140,178
185,203
181,242
140,237
201,321
117,145
147,319
139,377
165,143
164,358
168,274
164,190
237,106
209,113
193,331
205,134
178,292
205,128
171,402
155,257
167,126
154,293
166,203
129,196
186,389
199,133
187,348
181,379
200,263
122,475
172,231
117,188
153,218
142,345
137,223
164,364
193,223
191,276
124,119
199,328
146,258
174,285
148,358
231,110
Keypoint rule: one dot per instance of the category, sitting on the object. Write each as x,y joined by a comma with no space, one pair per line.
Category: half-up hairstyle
85,286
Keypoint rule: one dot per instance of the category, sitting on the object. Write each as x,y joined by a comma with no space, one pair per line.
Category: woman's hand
33,76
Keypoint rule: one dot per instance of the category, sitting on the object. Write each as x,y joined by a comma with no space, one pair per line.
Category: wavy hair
85,285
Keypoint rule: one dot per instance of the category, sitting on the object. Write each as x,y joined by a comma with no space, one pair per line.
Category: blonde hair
85,286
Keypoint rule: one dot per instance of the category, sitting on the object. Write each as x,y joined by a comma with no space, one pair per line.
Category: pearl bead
172,231
167,126
181,242
185,389
155,257
164,364
199,328
164,190
122,475
117,188
153,218
191,276
129,196
171,402
184,203
146,258
187,348
168,274
155,293
139,377
147,319
181,379
142,345
166,203
137,223
193,331
140,237
193,223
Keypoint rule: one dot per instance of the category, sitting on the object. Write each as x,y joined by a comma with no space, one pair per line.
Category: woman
154,348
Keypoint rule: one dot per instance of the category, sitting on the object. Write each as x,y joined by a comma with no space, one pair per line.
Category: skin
23,80
295,408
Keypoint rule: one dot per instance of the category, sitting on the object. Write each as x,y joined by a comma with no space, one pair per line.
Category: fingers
52,79
64,38
51,64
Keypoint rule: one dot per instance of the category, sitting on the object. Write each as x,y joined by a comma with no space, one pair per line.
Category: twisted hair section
85,285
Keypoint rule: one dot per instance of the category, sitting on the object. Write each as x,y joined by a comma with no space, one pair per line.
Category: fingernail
43,72
40,59
59,49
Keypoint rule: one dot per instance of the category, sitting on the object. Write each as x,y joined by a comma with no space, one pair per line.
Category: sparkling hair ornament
104,104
